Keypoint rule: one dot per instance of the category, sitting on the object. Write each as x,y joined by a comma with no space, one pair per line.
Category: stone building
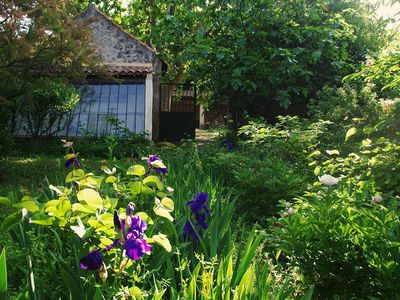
130,95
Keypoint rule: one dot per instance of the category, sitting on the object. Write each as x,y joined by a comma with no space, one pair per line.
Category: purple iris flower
154,158
188,230
199,209
228,144
199,203
131,235
72,161
132,230
92,261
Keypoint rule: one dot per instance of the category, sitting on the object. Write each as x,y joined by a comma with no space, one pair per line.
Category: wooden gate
177,111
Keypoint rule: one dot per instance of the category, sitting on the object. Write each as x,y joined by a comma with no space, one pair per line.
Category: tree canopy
263,51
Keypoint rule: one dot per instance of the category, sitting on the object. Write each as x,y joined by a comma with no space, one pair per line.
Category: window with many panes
102,101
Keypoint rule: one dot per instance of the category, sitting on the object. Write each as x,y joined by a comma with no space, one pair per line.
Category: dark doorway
177,111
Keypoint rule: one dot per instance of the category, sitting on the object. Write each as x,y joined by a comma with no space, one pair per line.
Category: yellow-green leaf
332,152
77,207
75,175
30,206
167,203
162,240
137,170
352,131
90,197
145,217
153,181
158,164
317,170
162,212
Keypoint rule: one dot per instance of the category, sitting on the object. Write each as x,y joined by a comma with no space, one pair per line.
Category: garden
296,197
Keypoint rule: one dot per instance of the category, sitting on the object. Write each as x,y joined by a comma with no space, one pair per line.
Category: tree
256,54
38,40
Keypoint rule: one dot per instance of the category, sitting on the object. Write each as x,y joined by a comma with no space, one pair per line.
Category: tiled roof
129,70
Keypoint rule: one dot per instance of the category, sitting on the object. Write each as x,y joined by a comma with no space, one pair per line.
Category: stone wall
116,46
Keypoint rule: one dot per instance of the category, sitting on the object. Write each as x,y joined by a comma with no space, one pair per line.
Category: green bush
344,107
344,232
259,180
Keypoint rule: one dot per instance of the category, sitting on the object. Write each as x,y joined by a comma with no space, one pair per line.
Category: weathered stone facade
116,46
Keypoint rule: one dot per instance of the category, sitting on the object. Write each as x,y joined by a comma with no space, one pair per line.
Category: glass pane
139,123
131,122
82,126
122,106
140,99
132,98
123,91
92,123
102,126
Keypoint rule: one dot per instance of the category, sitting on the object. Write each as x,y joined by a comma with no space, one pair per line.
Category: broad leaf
352,131
163,241
153,181
75,175
90,197
136,170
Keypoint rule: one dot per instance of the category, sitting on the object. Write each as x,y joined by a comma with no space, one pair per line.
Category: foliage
277,168
381,70
39,42
42,111
345,238
345,107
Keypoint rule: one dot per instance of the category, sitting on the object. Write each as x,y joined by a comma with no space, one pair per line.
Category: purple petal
114,244
135,249
201,198
92,261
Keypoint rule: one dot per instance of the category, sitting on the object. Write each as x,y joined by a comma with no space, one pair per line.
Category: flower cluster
290,210
376,199
199,209
154,162
328,180
131,236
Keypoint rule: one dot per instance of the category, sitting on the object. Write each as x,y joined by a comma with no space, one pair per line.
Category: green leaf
317,170
135,187
352,131
162,240
75,175
163,209
5,201
3,272
43,220
30,206
136,170
11,220
91,198
153,181
332,152
158,164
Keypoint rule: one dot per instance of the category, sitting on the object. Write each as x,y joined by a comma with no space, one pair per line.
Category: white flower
170,189
67,144
291,211
285,214
328,180
376,199
108,171
288,204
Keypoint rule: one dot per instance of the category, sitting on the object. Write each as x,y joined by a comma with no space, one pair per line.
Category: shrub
343,233
344,107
